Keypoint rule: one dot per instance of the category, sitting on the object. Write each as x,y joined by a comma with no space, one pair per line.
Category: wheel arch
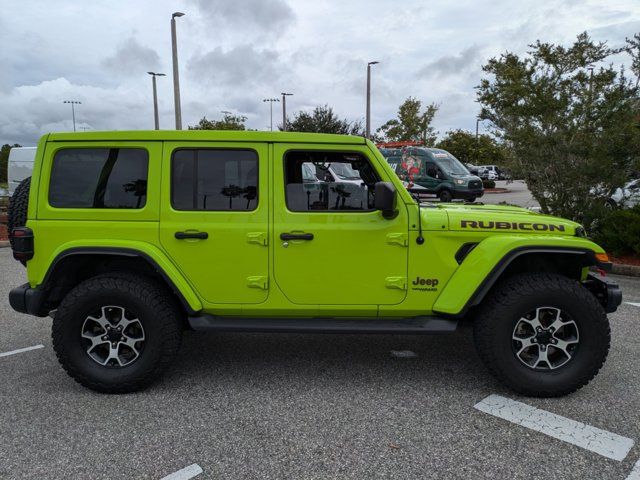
567,261
72,266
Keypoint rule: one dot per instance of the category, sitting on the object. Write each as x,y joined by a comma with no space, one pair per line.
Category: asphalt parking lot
303,406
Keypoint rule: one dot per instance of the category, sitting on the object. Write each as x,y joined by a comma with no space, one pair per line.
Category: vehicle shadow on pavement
441,361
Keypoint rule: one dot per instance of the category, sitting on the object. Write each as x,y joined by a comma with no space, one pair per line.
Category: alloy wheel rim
546,338
113,336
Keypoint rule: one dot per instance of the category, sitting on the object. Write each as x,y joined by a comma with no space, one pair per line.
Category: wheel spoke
533,322
542,357
563,345
113,354
95,341
526,343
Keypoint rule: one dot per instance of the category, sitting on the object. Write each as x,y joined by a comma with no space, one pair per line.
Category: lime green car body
359,264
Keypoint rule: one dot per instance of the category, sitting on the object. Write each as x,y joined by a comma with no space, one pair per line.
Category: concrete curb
493,191
628,270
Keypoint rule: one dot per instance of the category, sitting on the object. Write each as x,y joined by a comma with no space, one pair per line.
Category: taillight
22,243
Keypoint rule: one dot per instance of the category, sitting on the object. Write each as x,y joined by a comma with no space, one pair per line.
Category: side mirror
385,200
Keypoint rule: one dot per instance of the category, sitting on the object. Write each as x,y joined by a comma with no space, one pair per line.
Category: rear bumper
606,291
24,299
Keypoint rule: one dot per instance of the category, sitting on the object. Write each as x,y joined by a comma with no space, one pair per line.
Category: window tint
99,178
340,181
212,179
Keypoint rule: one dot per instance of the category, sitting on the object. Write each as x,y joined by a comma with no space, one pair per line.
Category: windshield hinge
397,239
399,283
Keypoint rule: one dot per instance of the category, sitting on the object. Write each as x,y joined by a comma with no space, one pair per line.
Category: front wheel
542,335
445,196
116,333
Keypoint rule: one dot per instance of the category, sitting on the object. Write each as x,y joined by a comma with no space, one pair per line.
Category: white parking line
403,354
633,303
604,443
20,350
184,474
635,473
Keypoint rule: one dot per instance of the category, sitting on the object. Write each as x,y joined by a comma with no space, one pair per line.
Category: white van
20,166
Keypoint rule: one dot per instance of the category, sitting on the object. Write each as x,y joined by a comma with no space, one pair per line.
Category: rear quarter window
99,178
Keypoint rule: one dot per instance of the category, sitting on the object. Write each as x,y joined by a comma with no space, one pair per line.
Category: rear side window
214,179
99,178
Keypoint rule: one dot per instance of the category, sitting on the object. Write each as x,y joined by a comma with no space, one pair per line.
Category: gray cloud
240,66
132,58
255,16
469,58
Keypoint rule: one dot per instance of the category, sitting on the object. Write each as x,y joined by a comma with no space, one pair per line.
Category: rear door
214,218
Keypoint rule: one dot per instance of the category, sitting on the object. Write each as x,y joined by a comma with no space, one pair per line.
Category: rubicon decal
425,284
527,226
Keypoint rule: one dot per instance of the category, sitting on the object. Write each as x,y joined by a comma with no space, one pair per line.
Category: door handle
185,235
296,236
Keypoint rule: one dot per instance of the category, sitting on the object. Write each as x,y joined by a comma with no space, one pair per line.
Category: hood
505,219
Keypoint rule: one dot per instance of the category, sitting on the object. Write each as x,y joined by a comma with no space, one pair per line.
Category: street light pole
155,98
176,80
271,100
368,116
284,110
477,129
73,110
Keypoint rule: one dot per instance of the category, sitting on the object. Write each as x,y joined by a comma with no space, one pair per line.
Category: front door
331,247
214,218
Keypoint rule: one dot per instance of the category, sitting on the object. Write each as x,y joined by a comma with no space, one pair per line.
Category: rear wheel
542,335
116,333
445,195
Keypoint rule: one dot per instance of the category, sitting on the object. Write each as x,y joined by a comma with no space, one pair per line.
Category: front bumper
606,291
24,299
466,194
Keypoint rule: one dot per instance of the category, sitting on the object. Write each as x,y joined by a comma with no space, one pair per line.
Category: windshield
344,171
307,174
450,164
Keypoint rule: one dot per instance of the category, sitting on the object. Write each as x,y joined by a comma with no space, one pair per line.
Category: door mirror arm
385,199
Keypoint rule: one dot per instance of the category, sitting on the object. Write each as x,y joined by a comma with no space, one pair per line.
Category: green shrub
618,232
488,183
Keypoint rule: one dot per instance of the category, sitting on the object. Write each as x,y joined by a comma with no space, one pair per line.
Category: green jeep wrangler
129,238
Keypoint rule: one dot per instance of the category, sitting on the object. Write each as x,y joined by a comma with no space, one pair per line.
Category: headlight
460,182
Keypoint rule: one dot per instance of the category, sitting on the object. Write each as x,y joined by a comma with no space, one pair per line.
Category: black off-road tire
160,316
445,195
514,297
18,206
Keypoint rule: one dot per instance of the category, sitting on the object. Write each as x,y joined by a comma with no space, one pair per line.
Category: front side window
343,181
214,179
99,178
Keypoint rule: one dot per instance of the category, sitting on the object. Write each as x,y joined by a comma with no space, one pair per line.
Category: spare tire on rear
18,206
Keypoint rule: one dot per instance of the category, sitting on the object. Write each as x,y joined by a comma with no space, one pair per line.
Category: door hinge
399,283
397,239
258,281
259,238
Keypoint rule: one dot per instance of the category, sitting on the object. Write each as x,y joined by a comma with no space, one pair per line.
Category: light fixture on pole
368,116
155,97
73,110
271,100
176,79
284,109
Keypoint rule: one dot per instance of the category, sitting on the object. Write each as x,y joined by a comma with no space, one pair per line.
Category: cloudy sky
234,53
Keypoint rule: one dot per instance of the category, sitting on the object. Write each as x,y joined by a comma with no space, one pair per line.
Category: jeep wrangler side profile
131,237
